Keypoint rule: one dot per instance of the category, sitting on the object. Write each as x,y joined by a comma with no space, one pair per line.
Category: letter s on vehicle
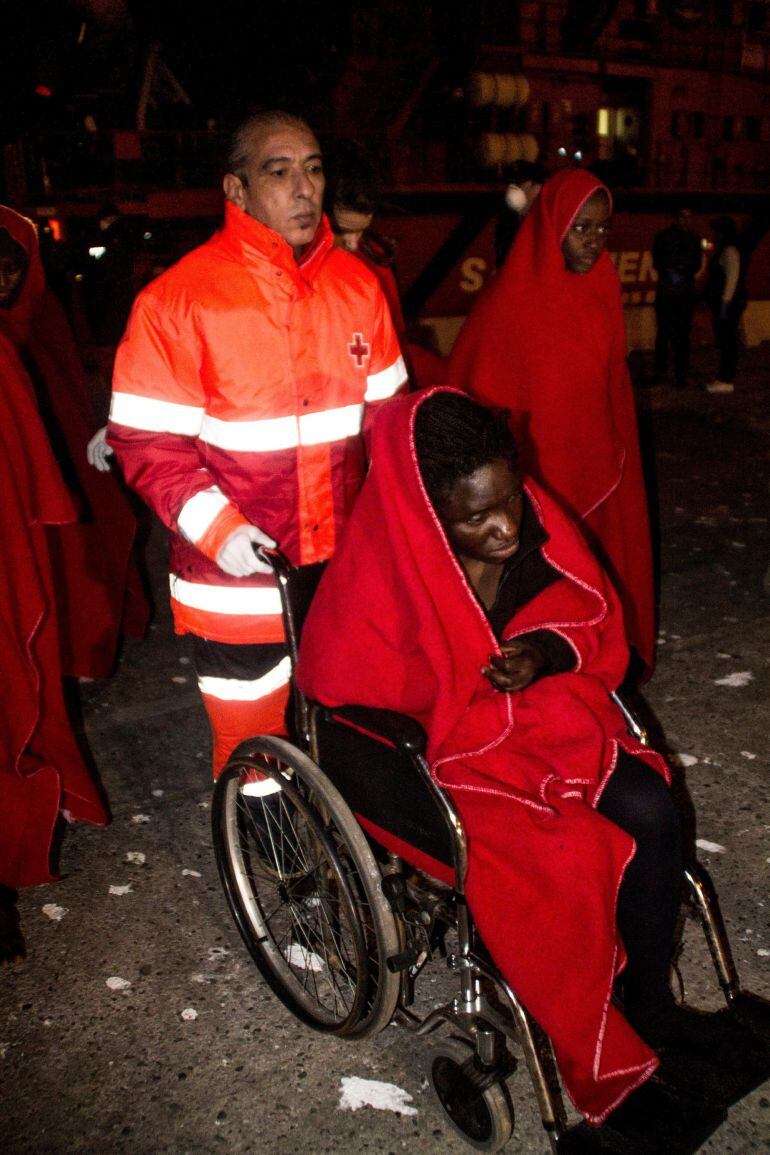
472,270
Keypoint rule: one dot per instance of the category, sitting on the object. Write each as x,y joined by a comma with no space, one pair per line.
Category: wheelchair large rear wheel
305,890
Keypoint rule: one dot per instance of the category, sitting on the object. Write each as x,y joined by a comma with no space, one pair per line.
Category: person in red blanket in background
42,772
352,200
467,600
97,588
547,341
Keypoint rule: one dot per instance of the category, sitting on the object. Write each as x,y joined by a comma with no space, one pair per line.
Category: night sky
227,57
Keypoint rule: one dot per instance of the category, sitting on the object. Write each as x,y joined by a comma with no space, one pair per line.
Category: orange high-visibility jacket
240,392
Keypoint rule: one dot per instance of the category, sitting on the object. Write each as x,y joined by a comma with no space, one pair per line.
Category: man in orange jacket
241,393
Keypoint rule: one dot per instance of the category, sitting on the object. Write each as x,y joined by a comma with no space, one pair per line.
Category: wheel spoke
301,882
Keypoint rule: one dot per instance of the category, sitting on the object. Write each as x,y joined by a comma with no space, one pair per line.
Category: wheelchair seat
391,798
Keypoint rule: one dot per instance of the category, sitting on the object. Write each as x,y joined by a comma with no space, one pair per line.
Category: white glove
99,452
238,555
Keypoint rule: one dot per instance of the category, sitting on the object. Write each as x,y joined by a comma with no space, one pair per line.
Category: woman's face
12,272
482,513
586,237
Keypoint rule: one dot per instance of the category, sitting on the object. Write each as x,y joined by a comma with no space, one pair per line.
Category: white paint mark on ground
136,857
189,1014
356,1093
748,754
115,983
140,819
127,889
191,873
180,679
203,805
54,912
710,847
741,678
684,759
763,952
158,793
184,661
738,544
722,654
217,952
298,956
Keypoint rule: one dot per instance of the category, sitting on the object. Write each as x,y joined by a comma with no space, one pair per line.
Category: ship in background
668,100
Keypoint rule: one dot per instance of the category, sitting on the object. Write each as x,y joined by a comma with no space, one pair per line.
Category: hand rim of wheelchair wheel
484,1117
339,900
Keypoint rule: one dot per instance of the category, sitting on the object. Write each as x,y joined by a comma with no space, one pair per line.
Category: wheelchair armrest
397,730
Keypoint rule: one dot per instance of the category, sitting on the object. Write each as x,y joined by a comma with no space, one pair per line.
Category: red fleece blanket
396,625
550,345
41,769
97,588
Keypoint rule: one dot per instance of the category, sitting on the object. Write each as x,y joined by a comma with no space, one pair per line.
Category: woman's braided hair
454,436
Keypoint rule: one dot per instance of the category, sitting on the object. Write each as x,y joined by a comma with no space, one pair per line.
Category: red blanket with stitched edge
395,625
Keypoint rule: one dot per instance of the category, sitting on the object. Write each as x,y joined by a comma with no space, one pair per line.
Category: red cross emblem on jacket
359,349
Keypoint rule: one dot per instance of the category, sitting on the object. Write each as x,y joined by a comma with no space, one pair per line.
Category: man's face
684,219
349,227
282,184
12,273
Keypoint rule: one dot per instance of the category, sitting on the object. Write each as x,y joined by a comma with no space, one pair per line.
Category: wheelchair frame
467,1074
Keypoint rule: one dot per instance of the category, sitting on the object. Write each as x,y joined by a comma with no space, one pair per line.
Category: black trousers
674,323
638,801
728,342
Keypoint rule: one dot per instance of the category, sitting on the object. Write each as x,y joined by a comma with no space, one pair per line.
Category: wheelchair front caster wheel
479,1110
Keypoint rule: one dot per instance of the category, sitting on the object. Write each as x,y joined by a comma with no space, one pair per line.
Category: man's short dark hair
454,436
352,181
239,151
522,171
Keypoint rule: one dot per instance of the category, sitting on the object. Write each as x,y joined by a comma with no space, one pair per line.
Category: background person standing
546,340
676,255
726,297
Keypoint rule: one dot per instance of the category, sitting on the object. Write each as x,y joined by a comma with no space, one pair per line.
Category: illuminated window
603,122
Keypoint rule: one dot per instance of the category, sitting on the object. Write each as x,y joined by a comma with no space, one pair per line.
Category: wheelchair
343,864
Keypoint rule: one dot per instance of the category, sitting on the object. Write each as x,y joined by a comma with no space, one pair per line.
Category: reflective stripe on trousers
245,690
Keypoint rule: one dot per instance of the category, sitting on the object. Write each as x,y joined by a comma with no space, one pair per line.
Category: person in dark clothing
676,255
726,297
525,180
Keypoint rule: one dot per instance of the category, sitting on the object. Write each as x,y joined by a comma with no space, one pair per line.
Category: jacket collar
252,242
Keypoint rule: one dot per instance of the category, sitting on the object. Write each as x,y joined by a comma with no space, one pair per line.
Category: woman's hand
516,669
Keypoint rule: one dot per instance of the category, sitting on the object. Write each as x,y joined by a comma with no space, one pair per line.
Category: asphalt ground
91,1069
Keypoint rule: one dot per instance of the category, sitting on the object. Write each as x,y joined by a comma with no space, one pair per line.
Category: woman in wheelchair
467,599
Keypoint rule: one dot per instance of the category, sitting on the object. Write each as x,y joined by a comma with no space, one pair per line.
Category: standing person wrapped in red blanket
547,341
42,771
470,602
97,588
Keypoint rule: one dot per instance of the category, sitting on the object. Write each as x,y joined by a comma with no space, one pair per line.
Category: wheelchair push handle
271,556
